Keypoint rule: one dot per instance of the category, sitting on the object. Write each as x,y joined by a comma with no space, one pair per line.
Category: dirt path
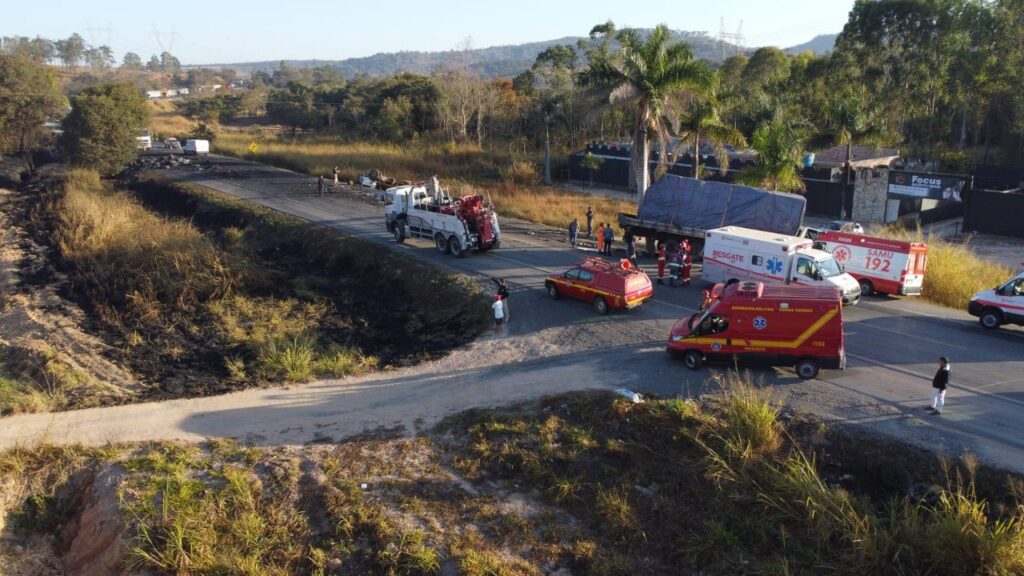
552,347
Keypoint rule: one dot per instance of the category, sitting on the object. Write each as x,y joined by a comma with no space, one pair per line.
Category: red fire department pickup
604,284
878,264
779,325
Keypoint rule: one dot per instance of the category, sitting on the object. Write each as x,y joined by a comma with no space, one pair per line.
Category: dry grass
954,273
165,121
513,185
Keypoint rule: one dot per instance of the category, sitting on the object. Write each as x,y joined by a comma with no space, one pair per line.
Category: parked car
1001,305
848,226
604,284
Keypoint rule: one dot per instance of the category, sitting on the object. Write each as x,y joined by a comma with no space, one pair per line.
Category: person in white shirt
499,313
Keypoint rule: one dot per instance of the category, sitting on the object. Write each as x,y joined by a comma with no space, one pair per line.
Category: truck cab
1003,304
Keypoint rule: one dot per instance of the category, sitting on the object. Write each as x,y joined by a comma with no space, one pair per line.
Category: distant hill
494,61
820,44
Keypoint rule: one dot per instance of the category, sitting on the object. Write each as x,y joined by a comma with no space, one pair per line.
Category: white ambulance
879,264
1001,305
734,253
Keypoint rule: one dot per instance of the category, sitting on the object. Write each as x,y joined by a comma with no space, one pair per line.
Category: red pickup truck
604,284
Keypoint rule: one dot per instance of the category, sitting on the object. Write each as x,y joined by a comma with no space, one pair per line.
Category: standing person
499,314
675,261
609,237
336,174
574,228
320,185
590,222
661,262
687,262
503,295
627,238
939,384
600,238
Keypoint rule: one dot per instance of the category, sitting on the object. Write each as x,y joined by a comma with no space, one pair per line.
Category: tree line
74,51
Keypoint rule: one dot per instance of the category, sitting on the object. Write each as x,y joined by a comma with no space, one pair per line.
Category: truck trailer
675,208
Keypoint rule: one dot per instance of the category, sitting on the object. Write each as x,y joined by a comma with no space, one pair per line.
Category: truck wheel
553,291
807,369
399,232
600,305
441,243
455,247
693,359
990,318
866,287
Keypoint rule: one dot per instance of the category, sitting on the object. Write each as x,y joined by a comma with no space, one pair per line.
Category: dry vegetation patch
201,294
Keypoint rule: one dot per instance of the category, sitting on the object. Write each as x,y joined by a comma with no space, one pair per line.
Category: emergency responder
706,300
687,262
661,262
600,238
675,261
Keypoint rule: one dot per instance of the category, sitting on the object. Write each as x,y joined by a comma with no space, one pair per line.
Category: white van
196,147
1001,305
734,253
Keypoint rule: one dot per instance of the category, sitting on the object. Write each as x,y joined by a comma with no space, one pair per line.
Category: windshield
829,268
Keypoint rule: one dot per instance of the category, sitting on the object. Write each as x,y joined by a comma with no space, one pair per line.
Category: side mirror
818,276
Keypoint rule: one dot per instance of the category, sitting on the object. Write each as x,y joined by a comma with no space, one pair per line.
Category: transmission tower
731,42
170,39
95,31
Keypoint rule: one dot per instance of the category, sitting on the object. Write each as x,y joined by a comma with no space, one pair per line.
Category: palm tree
701,120
849,120
779,147
643,74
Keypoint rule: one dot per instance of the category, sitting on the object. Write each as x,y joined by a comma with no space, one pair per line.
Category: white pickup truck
1001,305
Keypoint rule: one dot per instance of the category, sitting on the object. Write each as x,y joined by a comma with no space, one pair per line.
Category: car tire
600,305
866,287
693,359
441,243
553,291
399,232
990,319
807,369
455,248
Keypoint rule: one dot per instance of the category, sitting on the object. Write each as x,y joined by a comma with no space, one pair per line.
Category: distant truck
799,326
605,285
879,264
1001,305
740,254
196,147
456,225
675,208
144,141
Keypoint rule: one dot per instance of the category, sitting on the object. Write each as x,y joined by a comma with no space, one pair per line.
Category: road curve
554,347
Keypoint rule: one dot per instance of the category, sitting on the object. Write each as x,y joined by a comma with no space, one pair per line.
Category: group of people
605,233
679,263
321,180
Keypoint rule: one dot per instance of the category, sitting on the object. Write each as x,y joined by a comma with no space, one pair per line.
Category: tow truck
456,225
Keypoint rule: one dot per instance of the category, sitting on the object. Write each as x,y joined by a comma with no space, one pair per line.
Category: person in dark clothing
939,384
320,185
502,294
609,237
590,222
574,229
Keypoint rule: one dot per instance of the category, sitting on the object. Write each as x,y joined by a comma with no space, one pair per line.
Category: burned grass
201,294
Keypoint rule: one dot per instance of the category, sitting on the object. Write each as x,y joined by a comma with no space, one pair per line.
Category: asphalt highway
892,347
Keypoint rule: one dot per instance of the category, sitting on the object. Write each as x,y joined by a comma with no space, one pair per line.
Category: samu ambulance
778,325
1001,305
878,264
734,253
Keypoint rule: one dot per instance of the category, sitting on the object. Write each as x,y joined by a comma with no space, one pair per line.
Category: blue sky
233,31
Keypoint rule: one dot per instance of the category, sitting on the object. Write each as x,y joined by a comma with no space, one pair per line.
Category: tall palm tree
702,121
643,73
849,120
779,146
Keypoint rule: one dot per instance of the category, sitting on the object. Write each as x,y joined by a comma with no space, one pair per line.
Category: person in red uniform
661,262
687,262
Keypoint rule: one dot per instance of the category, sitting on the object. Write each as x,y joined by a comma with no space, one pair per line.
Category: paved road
559,346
